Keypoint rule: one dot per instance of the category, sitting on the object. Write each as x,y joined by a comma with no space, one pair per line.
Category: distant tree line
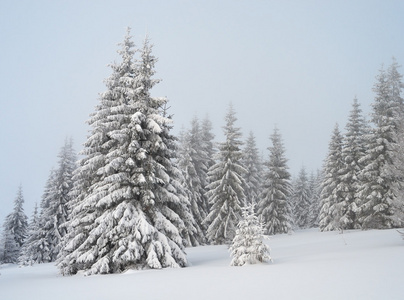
139,195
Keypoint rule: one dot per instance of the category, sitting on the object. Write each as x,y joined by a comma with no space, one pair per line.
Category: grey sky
296,64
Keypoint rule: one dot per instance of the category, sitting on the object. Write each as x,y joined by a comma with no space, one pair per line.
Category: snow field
307,265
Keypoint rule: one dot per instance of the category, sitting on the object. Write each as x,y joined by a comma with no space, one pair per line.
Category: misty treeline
139,195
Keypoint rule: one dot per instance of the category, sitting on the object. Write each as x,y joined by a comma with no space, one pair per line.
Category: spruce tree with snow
398,171
225,190
127,211
315,196
253,165
191,232
274,207
331,189
375,191
55,208
397,166
208,144
353,150
15,228
192,162
26,257
378,182
38,246
9,249
248,245
301,200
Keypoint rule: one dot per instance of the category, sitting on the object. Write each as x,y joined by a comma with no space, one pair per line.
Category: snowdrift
307,265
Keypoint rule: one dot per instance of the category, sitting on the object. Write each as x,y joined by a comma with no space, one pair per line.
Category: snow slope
307,265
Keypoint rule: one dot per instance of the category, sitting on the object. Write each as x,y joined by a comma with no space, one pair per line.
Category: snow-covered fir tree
225,191
55,206
15,228
192,161
191,232
253,165
203,158
248,245
397,166
315,196
43,244
398,171
274,207
127,211
9,250
377,189
301,200
354,147
331,189
208,144
38,246
27,257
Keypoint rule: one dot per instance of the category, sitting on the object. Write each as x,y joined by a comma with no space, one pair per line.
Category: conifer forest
136,196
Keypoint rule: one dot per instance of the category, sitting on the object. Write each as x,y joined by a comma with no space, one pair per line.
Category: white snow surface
307,264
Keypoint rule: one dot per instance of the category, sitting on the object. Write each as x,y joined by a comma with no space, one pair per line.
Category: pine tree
9,249
314,196
353,151
225,191
27,257
55,210
331,189
44,243
274,208
15,228
248,246
253,175
301,200
190,230
192,161
376,191
39,243
207,145
395,86
396,168
127,211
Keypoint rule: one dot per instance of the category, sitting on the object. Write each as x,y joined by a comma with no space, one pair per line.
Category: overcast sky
294,64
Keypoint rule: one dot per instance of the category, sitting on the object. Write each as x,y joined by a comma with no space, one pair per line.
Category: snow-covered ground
307,265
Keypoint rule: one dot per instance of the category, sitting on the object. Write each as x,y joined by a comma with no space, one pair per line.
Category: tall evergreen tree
190,230
55,209
331,189
253,175
208,144
354,147
397,167
395,86
202,149
38,247
192,161
27,251
15,227
398,172
301,200
378,182
274,208
9,250
314,196
225,191
127,211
